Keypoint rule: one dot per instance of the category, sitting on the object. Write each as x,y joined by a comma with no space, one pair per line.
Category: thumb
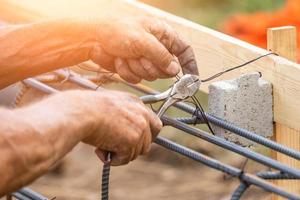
102,155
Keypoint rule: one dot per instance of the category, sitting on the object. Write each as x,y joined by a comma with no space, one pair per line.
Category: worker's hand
142,49
122,124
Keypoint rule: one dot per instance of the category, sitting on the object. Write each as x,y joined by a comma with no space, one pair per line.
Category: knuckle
136,46
133,139
142,124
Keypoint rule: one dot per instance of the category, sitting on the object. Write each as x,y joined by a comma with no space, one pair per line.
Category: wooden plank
214,51
283,41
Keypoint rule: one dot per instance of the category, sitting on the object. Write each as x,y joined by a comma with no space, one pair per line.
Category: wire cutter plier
182,89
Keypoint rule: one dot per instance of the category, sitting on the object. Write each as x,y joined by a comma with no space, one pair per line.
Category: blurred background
247,20
163,174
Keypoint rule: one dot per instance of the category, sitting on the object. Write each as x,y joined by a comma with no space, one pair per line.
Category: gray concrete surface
247,102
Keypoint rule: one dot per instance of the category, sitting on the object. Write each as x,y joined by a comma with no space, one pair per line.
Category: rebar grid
246,179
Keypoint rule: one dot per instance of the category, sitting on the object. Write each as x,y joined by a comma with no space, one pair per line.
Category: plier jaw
182,89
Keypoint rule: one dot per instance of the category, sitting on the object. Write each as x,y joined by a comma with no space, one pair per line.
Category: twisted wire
190,120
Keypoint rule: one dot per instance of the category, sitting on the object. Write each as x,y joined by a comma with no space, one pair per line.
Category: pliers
182,89
185,87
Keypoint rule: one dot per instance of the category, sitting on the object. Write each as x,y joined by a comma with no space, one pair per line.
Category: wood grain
282,40
214,51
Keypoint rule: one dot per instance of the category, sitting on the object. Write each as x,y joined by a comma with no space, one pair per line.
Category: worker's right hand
141,48
121,124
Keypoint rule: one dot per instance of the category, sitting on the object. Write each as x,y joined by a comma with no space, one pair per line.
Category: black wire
199,109
104,81
236,67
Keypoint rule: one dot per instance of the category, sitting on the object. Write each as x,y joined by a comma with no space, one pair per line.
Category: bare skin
35,137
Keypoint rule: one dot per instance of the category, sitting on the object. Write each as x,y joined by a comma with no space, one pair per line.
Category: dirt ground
160,175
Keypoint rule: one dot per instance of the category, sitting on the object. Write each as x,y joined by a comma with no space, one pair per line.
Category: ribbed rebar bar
105,181
20,196
239,191
227,125
32,194
231,146
243,186
225,144
215,164
190,109
274,175
208,137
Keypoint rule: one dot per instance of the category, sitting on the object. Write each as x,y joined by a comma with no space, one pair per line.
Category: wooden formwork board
214,51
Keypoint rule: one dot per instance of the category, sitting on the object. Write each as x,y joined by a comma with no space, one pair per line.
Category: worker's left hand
141,49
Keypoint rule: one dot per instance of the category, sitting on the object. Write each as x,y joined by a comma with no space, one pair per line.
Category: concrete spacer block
246,102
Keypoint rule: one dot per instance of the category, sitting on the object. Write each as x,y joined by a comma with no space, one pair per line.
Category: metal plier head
183,88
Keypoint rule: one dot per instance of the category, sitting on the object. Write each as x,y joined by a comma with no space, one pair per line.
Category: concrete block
246,102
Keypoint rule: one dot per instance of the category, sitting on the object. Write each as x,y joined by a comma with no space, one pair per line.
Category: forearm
34,138
31,49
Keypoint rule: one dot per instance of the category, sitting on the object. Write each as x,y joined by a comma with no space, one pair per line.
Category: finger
124,71
155,123
122,158
152,70
147,139
101,154
162,31
138,69
100,57
175,44
133,154
139,148
157,53
185,55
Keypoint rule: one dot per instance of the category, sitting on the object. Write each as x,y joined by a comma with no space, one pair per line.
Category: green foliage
211,13
255,5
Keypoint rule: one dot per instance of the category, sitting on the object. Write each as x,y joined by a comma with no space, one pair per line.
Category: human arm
33,138
136,49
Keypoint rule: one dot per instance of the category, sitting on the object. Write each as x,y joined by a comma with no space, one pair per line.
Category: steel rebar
248,178
226,125
213,139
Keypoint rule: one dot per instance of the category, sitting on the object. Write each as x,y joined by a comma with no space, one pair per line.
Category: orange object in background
253,27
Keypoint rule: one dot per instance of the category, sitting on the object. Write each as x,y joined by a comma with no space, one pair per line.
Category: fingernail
173,68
